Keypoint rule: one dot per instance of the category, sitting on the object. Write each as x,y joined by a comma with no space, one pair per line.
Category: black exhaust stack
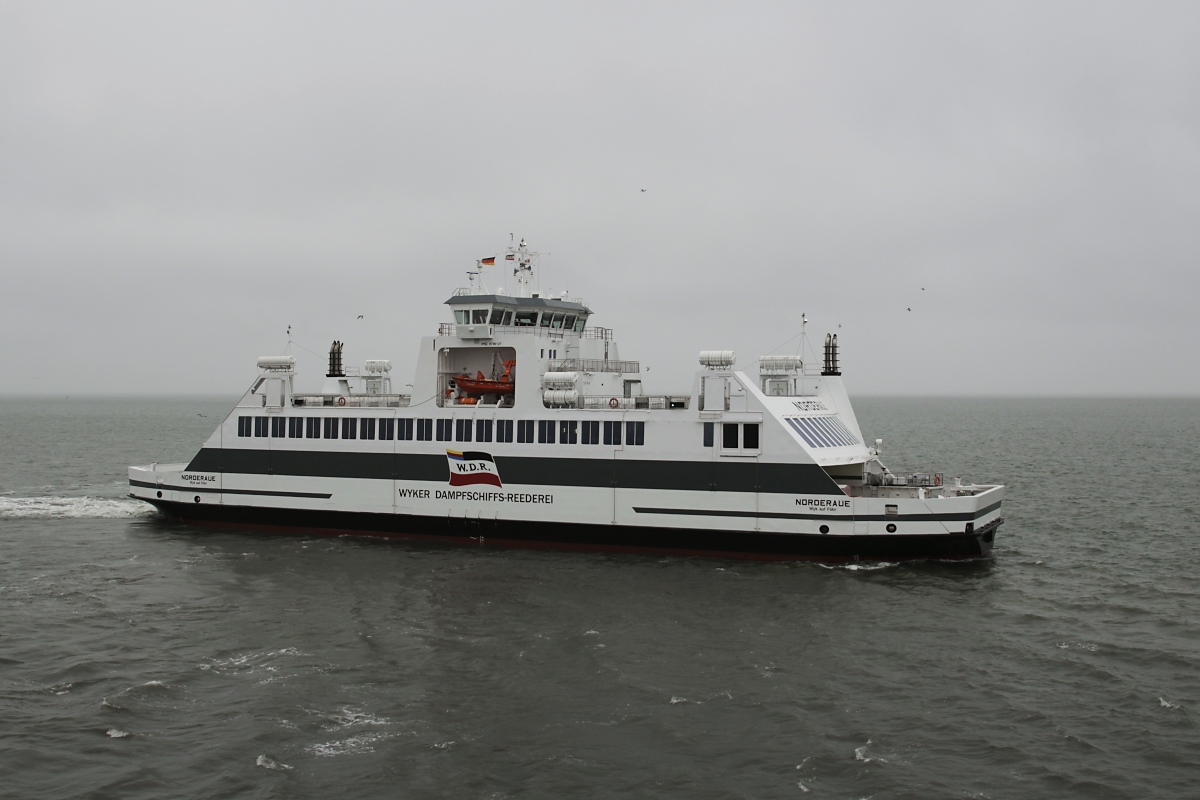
831,356
335,361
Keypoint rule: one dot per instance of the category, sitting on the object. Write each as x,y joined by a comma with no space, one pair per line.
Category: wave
362,743
866,565
53,507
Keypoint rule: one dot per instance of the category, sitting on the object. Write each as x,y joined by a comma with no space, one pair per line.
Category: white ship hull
761,525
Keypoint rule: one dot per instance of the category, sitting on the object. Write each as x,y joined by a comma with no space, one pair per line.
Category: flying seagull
910,309
360,316
643,190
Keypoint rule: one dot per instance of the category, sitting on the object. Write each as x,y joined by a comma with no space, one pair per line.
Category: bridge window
497,316
569,322
546,317
526,319
479,316
461,316
556,322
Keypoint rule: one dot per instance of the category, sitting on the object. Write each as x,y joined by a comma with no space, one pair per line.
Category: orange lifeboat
480,385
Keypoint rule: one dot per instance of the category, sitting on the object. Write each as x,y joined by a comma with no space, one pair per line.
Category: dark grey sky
180,182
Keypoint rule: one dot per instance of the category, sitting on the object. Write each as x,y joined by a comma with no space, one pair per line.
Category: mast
523,270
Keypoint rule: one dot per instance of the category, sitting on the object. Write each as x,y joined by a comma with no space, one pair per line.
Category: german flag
487,262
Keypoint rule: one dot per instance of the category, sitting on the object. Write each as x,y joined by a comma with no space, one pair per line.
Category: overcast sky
179,182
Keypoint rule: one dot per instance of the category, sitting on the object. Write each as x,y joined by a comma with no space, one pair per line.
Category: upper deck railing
352,400
592,365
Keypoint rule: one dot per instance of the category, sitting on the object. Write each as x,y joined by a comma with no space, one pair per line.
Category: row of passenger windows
567,431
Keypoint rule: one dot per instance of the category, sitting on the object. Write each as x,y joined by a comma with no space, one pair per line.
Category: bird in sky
643,190
360,316
910,309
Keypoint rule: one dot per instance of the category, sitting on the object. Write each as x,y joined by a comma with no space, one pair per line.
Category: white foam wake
270,763
72,508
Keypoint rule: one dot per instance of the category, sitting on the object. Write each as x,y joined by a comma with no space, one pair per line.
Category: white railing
351,400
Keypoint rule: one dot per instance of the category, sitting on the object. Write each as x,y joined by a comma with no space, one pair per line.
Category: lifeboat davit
481,385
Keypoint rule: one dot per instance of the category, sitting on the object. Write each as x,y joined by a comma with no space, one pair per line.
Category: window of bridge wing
556,321
580,323
750,436
461,316
497,317
729,435
546,317
526,319
569,323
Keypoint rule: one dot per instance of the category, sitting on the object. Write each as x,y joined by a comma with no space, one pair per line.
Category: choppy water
143,658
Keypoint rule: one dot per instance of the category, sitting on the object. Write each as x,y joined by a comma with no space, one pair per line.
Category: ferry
524,427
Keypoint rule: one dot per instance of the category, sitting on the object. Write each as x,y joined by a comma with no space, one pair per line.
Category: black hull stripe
209,490
964,516
718,476
615,538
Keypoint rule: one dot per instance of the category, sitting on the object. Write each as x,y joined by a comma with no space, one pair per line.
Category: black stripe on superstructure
624,473
961,516
575,536
210,490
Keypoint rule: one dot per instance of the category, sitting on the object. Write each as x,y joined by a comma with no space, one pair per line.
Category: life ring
341,401
614,403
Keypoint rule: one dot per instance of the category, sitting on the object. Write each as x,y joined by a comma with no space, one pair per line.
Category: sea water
144,658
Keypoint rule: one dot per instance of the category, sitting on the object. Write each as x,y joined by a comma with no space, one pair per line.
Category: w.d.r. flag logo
471,468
